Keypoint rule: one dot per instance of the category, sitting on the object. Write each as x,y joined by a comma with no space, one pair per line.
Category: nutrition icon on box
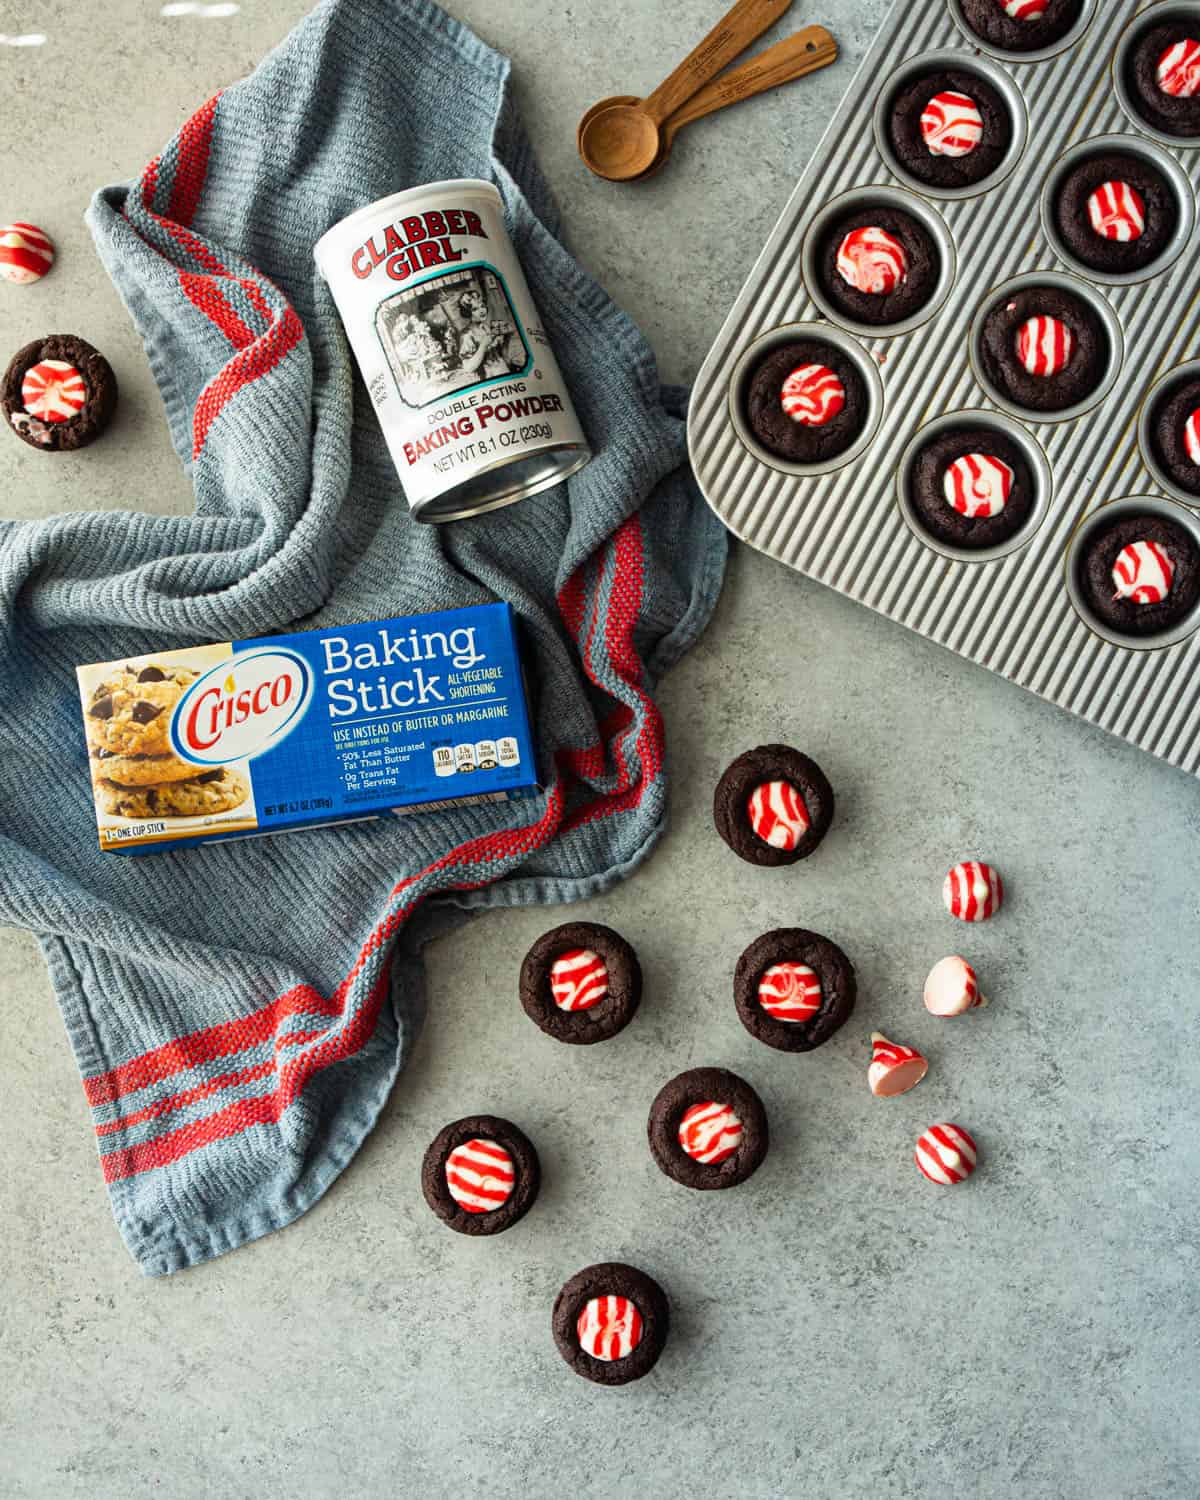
450,334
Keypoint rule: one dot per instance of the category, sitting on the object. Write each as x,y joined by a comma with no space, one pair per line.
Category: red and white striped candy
790,992
951,124
26,253
894,1069
1023,10
578,979
480,1176
777,814
710,1132
977,485
1143,573
871,260
53,391
1191,437
1044,345
952,988
609,1328
1179,70
1117,211
973,891
813,395
946,1154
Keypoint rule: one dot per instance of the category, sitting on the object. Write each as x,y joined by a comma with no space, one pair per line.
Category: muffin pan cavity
1162,216
1012,38
950,174
1170,114
1076,422
920,479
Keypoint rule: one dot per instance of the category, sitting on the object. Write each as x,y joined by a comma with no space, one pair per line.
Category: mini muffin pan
1013,608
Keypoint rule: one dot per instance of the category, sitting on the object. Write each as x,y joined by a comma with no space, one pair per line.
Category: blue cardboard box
393,717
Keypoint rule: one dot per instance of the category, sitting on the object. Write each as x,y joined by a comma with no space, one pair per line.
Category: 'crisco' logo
242,707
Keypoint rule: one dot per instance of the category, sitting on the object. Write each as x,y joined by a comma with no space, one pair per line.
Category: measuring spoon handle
743,24
794,57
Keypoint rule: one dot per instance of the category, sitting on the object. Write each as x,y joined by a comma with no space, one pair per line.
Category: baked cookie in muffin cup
610,1323
793,989
708,1129
1024,30
581,983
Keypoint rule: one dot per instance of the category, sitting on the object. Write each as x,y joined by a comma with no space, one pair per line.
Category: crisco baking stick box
324,726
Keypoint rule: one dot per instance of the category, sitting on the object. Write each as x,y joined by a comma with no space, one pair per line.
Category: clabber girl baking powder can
446,334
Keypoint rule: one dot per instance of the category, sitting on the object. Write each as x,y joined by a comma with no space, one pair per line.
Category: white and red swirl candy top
1044,345
578,979
609,1328
977,485
871,260
973,891
790,992
26,253
480,1176
1023,10
1117,211
777,814
951,124
894,1069
1191,436
710,1132
813,395
1143,573
1179,70
946,1154
53,391
952,988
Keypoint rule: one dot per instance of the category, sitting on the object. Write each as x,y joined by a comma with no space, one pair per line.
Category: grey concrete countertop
841,1327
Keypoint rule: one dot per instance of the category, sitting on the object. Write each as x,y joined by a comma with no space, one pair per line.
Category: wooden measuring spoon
795,57
620,141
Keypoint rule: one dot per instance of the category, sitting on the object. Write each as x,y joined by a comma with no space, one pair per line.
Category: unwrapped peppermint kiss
609,1328
952,988
1191,436
1044,346
972,891
946,1154
790,992
813,395
977,485
480,1176
893,1069
26,254
951,124
1143,573
578,979
1179,70
710,1132
1023,10
1117,211
872,260
777,814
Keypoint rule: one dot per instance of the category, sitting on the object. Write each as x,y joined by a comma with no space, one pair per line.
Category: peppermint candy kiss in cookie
1179,70
894,1069
778,815
26,254
609,1327
710,1132
1117,211
951,124
813,395
480,1176
53,391
946,1154
977,485
1191,437
790,992
952,988
578,980
1023,10
972,891
1143,573
1044,345
871,260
